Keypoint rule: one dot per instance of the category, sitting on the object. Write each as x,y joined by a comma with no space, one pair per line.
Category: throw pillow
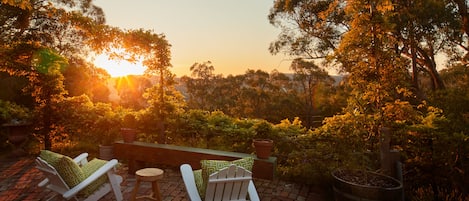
211,166
70,172
50,157
88,169
199,181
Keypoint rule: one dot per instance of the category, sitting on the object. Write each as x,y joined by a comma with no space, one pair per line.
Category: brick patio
19,179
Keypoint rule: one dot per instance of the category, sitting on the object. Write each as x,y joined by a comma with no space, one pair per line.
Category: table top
149,173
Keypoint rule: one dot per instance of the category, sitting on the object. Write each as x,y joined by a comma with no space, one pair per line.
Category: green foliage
433,154
131,89
90,122
106,125
44,58
260,95
13,112
12,90
82,77
213,130
262,130
351,140
130,121
216,130
426,193
190,128
161,111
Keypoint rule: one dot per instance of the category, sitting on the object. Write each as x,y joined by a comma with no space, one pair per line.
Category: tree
154,49
12,90
130,90
254,97
162,113
71,28
74,29
285,100
384,46
37,39
309,29
422,34
419,30
309,78
43,68
82,77
460,36
200,88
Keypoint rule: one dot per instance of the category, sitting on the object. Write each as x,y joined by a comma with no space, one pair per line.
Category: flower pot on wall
351,185
128,134
263,147
106,152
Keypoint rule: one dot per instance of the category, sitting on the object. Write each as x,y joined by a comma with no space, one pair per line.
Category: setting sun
118,68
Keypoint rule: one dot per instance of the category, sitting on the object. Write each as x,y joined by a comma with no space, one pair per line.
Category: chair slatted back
229,183
55,182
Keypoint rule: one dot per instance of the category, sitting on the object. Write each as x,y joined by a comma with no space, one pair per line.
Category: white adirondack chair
230,183
55,182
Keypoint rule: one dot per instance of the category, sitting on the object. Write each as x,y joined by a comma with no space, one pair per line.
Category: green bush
13,112
433,151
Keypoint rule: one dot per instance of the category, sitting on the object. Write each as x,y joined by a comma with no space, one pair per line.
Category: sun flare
119,68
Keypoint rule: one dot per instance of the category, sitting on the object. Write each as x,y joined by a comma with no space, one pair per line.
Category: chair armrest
253,196
189,182
100,172
81,159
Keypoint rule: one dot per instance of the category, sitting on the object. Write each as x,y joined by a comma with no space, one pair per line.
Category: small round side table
150,175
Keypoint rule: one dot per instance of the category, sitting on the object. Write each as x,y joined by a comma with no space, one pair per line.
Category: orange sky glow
118,68
233,35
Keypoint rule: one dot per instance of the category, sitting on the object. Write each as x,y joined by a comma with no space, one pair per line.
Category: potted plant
359,183
129,131
106,141
106,133
11,113
262,141
16,120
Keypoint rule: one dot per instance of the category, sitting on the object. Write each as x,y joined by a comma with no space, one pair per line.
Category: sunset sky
233,34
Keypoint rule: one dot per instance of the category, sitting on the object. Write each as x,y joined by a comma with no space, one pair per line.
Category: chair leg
115,181
156,191
134,193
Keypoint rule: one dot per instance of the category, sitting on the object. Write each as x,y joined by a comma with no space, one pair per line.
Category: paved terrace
19,179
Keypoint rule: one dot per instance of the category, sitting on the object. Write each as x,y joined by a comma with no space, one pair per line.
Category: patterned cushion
211,166
88,169
70,172
199,181
50,157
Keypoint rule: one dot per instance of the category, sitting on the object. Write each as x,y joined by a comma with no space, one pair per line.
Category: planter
357,185
17,136
128,134
106,152
263,147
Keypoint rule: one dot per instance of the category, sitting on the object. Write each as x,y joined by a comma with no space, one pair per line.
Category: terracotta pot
128,134
263,147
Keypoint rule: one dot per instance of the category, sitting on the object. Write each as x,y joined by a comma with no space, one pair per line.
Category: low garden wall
139,154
